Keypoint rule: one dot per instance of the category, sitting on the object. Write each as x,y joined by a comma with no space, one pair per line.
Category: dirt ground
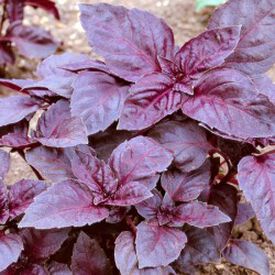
186,23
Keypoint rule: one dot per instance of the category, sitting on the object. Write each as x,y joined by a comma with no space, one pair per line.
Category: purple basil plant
142,160
30,41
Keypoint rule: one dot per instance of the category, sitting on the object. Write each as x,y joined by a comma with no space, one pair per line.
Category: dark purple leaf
4,203
63,204
126,258
46,5
15,10
4,164
150,99
41,244
105,142
117,214
18,136
200,249
138,161
235,150
6,53
10,249
255,51
183,186
104,90
58,128
129,40
52,164
186,140
245,213
158,245
227,101
200,214
257,178
206,51
31,41
15,108
89,258
248,255
225,197
34,269
22,194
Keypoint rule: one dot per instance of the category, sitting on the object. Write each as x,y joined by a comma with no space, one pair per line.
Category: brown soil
181,16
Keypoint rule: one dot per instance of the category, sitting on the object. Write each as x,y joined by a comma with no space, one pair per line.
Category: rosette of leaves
30,41
147,153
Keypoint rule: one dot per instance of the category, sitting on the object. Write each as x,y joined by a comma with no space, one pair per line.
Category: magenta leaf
10,249
200,214
4,164
57,128
108,93
105,185
257,178
255,51
200,249
46,5
158,245
31,41
129,40
183,186
52,164
96,175
150,99
15,108
15,10
64,204
186,140
41,244
22,194
227,101
225,197
88,257
206,51
248,255
126,258
245,212
139,160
